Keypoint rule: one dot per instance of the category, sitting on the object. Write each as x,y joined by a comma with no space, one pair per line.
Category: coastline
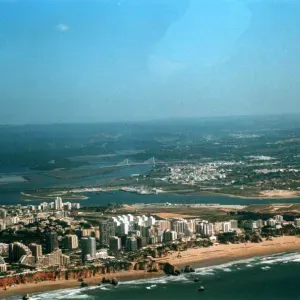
256,197
50,197
198,258
216,255
47,286
275,197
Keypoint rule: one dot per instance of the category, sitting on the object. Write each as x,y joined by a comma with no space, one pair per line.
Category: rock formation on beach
170,269
188,269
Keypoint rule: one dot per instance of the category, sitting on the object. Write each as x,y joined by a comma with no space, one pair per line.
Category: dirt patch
173,216
279,194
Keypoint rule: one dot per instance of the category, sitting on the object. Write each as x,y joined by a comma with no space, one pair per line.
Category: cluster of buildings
190,173
32,255
21,218
129,233
276,170
65,235
33,213
276,222
57,205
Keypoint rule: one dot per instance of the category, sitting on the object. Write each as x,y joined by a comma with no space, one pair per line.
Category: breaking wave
74,293
237,266
264,263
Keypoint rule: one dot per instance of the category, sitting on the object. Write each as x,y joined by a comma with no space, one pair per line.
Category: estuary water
270,277
100,199
10,192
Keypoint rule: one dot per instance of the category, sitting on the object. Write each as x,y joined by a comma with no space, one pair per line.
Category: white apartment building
179,225
226,227
279,218
58,203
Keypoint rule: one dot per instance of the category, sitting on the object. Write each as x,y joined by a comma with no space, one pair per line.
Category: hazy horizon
174,120
122,60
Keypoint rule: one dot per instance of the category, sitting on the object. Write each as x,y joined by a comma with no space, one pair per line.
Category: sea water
270,277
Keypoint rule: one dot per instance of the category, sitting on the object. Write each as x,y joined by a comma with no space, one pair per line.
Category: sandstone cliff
80,273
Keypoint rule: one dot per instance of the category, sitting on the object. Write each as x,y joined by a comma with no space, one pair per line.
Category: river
10,193
100,199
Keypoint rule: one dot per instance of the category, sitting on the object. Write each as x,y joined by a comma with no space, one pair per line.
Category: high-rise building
250,225
169,236
130,217
17,250
271,222
234,224
67,206
279,218
58,203
55,258
179,225
88,248
153,240
75,205
51,241
163,224
145,231
141,242
208,229
36,249
260,223
124,228
114,243
2,213
150,221
226,226
205,228
107,230
131,244
70,241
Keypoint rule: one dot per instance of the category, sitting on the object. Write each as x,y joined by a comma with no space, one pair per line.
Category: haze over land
108,60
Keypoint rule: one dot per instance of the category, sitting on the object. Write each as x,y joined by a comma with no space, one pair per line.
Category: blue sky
108,60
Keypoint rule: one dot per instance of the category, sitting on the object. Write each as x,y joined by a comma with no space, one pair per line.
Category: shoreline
51,197
210,193
257,197
48,286
215,255
198,258
175,193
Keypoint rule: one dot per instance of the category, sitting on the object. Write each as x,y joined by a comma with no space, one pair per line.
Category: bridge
151,161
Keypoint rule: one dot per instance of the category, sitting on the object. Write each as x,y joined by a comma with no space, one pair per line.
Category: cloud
62,27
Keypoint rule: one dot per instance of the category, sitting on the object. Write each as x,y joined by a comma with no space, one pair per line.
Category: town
55,236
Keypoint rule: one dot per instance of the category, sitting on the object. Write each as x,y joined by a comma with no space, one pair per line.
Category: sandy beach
46,286
272,195
225,253
201,257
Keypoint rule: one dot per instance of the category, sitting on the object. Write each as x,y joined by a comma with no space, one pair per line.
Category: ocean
269,277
